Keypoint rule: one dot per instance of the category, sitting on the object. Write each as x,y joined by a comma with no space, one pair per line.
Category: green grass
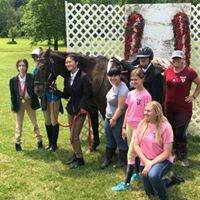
35,175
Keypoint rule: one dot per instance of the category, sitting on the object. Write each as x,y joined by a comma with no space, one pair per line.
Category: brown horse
52,64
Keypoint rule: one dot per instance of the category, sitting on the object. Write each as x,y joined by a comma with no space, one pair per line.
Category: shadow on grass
47,156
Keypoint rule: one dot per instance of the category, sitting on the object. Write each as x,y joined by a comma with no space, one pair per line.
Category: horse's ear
47,53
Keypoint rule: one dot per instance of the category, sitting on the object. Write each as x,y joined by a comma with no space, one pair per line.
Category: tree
45,20
10,18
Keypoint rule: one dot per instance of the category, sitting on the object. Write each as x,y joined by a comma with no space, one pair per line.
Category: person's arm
12,95
63,94
124,126
157,88
163,156
138,150
196,91
126,65
87,93
120,107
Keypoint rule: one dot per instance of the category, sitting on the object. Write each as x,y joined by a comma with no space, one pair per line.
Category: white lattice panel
95,29
195,62
99,30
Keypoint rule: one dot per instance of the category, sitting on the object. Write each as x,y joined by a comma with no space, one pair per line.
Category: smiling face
137,82
115,79
71,64
150,114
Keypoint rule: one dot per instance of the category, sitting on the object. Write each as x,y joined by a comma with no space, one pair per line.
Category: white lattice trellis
99,30
195,62
95,29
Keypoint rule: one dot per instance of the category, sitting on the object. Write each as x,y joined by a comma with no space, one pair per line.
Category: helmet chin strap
146,66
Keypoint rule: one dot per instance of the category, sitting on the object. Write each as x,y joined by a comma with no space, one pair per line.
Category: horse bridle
51,77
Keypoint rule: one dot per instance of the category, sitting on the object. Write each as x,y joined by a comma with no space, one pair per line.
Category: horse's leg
95,127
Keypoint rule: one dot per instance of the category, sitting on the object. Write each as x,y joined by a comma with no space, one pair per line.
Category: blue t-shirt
48,94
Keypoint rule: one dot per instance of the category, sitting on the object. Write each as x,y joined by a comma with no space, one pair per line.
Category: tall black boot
79,162
49,130
108,159
122,161
55,137
94,115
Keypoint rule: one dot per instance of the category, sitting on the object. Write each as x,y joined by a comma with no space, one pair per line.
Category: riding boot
108,159
49,130
72,160
122,161
55,129
79,162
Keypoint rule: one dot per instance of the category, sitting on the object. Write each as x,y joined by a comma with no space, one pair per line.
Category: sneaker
185,163
135,177
121,187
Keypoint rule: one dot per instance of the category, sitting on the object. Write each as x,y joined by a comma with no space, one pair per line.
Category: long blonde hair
160,118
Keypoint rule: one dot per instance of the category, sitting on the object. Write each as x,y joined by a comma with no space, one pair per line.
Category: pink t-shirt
136,102
150,148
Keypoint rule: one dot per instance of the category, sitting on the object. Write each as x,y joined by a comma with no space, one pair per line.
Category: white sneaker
185,163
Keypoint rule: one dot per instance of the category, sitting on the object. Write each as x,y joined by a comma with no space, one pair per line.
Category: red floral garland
182,35
133,34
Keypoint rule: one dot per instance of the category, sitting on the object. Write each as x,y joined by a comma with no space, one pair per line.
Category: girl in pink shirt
153,145
136,101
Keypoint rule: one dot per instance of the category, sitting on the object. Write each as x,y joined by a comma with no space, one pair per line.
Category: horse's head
125,76
44,73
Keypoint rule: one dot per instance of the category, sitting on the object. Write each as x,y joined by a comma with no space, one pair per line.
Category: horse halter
42,77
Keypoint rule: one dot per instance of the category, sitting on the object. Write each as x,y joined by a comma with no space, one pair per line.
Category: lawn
35,175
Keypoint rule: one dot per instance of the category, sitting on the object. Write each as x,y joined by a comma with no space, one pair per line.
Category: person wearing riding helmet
153,79
51,106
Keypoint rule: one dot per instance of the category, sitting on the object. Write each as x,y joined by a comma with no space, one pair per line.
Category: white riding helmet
36,51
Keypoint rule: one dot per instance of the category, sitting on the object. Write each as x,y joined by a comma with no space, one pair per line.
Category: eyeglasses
34,56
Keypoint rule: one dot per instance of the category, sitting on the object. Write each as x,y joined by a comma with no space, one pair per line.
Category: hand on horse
119,58
52,88
113,122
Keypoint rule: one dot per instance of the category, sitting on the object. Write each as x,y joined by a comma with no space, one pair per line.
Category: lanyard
22,91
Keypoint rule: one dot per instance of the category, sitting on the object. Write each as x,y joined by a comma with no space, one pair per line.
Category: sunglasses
34,56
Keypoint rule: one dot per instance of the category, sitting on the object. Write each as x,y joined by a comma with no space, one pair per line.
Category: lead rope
73,124
89,137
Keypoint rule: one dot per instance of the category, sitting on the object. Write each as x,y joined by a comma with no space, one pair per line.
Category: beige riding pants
130,132
26,106
51,113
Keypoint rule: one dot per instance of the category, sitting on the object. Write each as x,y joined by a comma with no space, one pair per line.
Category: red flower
135,25
181,33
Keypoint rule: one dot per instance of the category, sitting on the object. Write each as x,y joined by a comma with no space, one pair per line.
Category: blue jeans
114,135
153,182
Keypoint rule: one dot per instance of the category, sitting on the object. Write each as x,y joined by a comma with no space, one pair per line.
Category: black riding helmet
145,52
116,70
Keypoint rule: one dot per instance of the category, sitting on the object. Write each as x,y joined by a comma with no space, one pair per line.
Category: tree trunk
55,44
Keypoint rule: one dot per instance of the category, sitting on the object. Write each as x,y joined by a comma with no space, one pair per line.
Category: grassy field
35,175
